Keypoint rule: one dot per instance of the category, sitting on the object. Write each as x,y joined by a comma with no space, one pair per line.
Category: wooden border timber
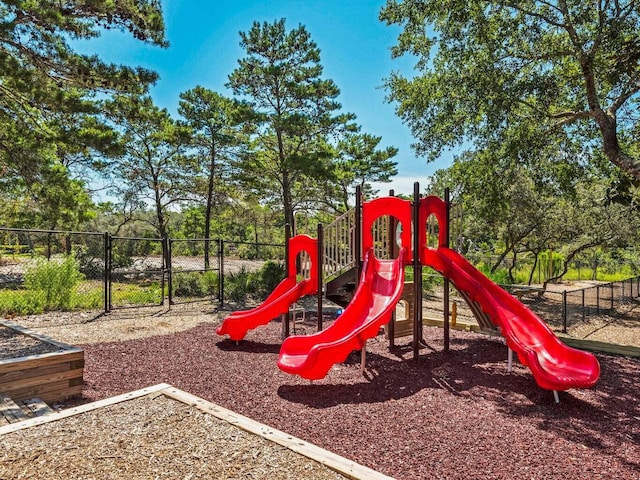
580,343
50,376
331,460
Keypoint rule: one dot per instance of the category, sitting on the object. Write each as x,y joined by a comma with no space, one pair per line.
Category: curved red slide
378,292
554,365
283,296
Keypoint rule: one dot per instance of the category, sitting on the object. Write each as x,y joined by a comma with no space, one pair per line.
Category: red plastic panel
436,206
554,365
394,206
379,290
303,243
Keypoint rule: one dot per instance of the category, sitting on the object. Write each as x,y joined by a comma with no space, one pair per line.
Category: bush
269,276
54,281
241,285
194,284
236,285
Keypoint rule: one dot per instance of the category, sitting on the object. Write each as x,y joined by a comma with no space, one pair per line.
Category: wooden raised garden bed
41,367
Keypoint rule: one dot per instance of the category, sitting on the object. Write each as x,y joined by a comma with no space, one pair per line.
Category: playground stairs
340,289
17,411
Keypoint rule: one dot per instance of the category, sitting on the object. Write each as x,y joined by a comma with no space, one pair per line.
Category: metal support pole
221,266
169,272
319,266
357,241
447,201
107,271
391,245
286,317
417,272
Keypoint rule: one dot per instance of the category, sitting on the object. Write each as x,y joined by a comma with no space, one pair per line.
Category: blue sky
355,53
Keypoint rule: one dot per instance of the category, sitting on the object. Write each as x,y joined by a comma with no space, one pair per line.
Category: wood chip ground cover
144,439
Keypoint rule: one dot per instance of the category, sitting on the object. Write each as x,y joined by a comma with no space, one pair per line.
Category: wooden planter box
52,377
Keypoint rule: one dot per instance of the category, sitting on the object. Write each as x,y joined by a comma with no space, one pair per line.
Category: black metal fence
569,307
56,270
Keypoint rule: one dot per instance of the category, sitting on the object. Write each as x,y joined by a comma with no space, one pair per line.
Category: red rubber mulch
448,415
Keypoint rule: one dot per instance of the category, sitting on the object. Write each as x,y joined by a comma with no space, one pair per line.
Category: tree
280,76
359,163
41,76
500,71
152,168
217,123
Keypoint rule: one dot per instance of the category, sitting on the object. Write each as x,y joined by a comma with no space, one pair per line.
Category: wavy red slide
378,292
554,365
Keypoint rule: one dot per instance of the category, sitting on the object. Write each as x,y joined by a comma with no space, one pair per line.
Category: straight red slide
378,292
278,302
283,296
554,365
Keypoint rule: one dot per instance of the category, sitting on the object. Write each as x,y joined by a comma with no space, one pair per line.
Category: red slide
378,292
555,366
285,294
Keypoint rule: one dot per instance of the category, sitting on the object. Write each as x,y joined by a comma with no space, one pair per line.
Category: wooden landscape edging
50,376
331,460
595,346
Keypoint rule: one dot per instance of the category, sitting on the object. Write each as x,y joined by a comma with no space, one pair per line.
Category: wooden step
12,412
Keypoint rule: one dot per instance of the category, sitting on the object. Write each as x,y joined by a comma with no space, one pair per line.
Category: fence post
583,307
611,285
564,311
221,266
597,299
107,272
319,266
169,272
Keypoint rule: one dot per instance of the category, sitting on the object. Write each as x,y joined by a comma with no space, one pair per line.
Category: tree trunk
209,206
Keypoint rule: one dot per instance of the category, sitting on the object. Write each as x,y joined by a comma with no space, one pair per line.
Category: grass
88,295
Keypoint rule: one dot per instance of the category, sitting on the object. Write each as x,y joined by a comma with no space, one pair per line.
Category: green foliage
195,284
21,302
269,276
55,281
280,77
499,276
521,76
360,163
126,294
49,115
243,285
237,286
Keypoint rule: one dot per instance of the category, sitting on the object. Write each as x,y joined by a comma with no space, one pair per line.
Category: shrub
269,276
237,285
195,284
54,280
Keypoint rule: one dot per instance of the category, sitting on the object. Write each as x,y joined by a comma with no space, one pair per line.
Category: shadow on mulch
247,346
400,377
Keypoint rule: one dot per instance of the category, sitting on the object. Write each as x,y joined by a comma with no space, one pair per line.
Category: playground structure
379,288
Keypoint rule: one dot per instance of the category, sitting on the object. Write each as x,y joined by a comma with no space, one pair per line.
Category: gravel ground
448,415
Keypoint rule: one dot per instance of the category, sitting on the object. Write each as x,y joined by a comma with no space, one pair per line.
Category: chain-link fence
51,270
563,309
54,270
195,270
136,272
